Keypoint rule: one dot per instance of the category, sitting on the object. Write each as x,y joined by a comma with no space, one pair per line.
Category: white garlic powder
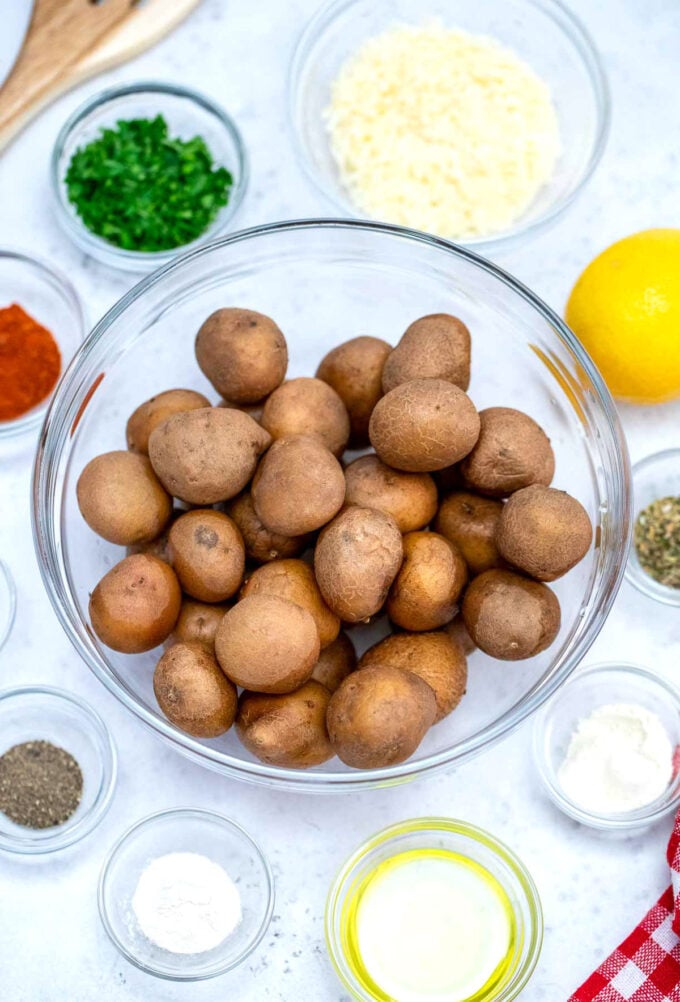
186,903
620,758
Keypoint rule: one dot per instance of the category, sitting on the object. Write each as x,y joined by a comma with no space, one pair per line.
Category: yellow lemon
625,308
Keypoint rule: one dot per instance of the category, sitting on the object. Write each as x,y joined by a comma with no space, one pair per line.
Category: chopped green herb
657,540
142,190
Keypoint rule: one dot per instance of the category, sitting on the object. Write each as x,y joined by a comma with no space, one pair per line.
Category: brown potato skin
457,631
160,546
356,559
287,730
424,425
295,581
379,716
193,692
410,498
437,346
434,657
470,521
354,370
298,487
207,554
510,617
207,455
425,592
307,406
122,500
335,662
261,544
267,644
155,411
243,353
197,624
512,452
136,604
252,410
544,532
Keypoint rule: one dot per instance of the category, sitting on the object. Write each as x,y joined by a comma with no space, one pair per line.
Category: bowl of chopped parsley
144,171
654,558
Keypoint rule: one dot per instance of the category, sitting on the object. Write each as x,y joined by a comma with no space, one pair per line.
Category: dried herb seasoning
142,189
657,540
40,784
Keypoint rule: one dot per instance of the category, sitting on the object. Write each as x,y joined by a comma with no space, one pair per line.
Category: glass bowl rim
634,573
96,245
58,281
570,25
422,826
65,837
291,778
7,581
623,821
180,813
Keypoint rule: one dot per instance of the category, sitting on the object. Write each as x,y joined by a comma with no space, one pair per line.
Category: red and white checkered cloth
646,967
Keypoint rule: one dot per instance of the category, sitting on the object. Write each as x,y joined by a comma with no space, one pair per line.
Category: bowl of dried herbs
654,559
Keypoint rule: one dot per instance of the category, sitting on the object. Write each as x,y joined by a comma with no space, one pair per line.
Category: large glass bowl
325,281
544,33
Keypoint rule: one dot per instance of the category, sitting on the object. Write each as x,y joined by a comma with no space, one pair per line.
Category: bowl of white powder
476,122
186,894
607,747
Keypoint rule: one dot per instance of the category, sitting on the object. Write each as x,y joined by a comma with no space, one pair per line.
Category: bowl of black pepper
57,769
654,559
144,171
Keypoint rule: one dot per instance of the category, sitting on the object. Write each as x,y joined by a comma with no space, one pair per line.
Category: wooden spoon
71,40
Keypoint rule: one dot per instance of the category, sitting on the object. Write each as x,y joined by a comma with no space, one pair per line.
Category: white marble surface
594,889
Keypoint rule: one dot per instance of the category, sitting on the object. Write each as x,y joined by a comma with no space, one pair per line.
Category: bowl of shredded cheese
474,122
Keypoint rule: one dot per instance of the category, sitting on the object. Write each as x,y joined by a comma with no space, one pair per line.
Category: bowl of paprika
41,326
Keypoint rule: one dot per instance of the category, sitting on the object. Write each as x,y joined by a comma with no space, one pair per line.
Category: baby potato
157,410
457,631
243,353
307,406
287,730
252,410
158,547
335,662
136,604
379,716
434,657
426,590
357,558
512,452
193,692
121,499
433,347
423,425
544,532
207,554
471,522
510,617
298,487
261,544
267,644
294,580
197,624
354,370
207,455
410,498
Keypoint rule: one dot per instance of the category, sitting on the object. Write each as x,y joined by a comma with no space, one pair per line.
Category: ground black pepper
40,784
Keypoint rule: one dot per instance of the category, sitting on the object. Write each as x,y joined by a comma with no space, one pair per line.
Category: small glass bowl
185,830
188,114
50,299
455,836
655,477
8,603
586,691
542,32
41,713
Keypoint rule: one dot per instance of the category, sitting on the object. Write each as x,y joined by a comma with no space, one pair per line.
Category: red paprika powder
30,362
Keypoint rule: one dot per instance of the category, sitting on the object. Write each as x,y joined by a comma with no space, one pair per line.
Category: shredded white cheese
442,130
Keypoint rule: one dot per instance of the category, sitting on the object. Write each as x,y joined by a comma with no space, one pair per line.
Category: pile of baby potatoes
254,554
